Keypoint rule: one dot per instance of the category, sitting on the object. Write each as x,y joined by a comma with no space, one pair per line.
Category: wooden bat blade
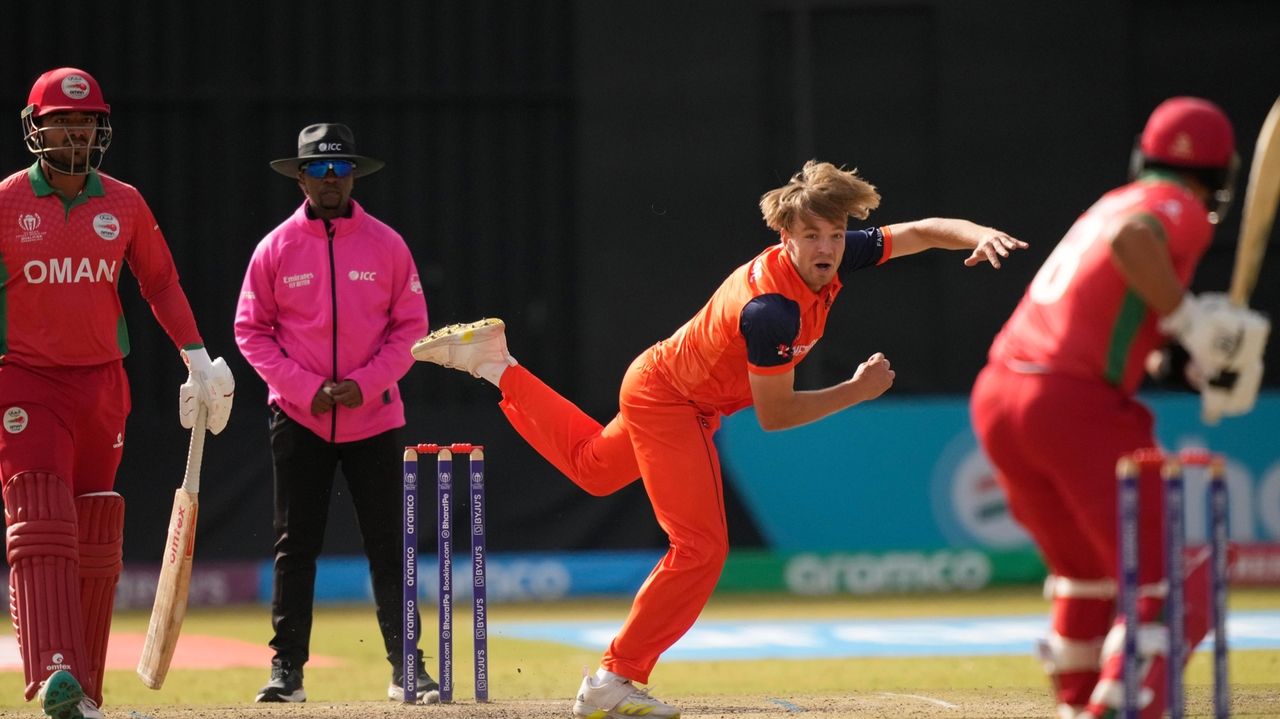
1259,210
170,606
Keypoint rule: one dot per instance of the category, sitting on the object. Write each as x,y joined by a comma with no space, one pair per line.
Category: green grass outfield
529,670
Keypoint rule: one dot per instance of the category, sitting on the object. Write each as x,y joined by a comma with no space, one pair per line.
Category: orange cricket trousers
667,441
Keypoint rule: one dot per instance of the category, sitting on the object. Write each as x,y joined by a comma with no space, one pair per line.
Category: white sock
603,675
493,371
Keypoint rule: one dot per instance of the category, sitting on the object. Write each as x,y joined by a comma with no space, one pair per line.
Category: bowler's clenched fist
874,377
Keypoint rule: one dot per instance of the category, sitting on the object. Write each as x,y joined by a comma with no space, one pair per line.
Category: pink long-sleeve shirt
300,281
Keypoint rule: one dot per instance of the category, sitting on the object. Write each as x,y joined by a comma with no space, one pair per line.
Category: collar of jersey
795,284
40,184
1161,175
342,225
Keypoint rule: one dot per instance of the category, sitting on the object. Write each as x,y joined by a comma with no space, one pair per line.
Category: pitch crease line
931,700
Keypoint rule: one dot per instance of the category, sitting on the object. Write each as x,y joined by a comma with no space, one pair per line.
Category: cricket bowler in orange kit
740,349
1055,409
68,231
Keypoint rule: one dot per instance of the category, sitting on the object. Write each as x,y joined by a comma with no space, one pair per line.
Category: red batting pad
44,575
101,527
1083,623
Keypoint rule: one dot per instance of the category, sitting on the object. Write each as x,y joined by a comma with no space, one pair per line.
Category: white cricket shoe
618,699
466,346
89,709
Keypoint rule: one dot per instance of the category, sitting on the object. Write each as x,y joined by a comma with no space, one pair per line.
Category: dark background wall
589,172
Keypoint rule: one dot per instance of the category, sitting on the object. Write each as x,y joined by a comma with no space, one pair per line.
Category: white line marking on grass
786,705
931,700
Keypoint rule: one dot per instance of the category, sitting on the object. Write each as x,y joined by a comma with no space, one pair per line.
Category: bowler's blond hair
819,189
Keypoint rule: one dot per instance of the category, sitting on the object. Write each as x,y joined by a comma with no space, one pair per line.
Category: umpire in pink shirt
330,305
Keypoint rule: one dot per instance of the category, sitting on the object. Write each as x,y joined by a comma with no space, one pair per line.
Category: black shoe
285,684
428,690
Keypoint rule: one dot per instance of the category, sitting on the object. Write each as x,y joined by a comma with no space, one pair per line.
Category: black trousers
304,467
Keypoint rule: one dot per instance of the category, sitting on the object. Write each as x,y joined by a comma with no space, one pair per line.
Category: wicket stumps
444,536
1128,470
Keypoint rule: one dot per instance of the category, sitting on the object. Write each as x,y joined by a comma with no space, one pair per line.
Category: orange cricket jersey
60,265
763,319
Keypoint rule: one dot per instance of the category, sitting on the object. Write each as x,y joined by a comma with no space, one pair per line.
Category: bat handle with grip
195,453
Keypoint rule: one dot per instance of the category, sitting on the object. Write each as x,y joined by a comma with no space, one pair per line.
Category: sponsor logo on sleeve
301,279
791,351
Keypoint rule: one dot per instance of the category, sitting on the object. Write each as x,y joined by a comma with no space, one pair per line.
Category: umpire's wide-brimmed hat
326,141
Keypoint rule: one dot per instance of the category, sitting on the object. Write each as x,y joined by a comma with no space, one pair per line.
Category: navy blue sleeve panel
862,248
771,324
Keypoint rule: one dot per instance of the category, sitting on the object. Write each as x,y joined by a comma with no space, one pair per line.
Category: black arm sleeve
770,324
862,248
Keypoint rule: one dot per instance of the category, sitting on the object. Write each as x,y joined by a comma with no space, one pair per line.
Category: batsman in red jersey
740,349
68,231
1054,408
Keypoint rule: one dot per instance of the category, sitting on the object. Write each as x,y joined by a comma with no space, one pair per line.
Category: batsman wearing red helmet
1054,408
64,396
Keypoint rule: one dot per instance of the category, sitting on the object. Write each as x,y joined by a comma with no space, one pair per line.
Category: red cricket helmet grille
1189,132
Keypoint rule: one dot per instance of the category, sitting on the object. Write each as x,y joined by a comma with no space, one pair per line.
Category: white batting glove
1216,333
1233,400
209,383
1188,323
1226,342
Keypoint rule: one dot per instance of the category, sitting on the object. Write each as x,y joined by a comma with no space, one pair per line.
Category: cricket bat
1259,209
170,606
